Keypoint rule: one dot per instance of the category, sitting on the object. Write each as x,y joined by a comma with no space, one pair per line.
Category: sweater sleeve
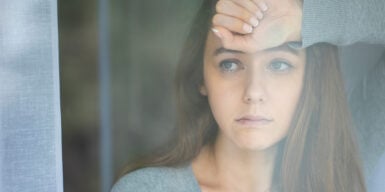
343,22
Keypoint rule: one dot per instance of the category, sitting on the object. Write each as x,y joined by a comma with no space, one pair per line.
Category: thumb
233,41
224,34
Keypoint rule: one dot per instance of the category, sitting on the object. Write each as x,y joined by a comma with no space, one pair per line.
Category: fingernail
247,28
259,14
254,22
263,6
216,32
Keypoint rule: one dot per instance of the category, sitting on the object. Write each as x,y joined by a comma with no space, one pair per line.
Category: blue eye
229,65
280,66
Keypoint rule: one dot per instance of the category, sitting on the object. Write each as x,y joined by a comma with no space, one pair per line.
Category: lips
254,120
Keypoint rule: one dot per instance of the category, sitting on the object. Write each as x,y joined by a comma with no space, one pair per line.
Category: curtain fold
30,125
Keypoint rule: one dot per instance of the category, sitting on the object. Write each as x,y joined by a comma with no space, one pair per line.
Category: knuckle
239,26
245,15
234,25
250,7
254,8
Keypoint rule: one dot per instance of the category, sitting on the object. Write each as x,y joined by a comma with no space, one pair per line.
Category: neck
235,169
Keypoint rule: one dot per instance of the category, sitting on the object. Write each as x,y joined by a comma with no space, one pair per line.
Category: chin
257,143
255,146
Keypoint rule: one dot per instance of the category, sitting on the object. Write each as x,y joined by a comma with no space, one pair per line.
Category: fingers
238,15
232,24
238,8
251,7
261,4
227,8
235,42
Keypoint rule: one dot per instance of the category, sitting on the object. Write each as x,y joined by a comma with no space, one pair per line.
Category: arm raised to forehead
339,22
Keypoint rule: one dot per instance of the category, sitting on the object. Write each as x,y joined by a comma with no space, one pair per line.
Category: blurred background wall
146,39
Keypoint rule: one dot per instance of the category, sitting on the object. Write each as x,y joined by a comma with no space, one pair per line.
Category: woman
324,21
268,119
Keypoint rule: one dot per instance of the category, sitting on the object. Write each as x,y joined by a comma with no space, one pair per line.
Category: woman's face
252,96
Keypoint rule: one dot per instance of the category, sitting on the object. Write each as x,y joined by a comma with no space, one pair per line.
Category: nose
255,89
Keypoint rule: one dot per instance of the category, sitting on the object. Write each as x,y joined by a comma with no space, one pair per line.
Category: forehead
214,48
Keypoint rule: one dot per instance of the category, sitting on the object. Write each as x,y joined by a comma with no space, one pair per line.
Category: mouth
252,120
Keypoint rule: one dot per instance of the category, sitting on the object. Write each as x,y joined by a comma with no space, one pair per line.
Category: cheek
286,99
223,100
224,97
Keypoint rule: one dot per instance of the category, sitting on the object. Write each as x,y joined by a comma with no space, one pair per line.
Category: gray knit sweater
162,179
343,22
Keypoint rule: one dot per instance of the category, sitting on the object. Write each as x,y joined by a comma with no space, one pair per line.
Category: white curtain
30,130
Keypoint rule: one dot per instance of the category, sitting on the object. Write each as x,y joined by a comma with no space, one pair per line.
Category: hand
252,25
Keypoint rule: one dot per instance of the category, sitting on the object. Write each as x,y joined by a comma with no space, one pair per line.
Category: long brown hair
319,152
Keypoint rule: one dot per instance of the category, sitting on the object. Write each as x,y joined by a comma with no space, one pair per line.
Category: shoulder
158,179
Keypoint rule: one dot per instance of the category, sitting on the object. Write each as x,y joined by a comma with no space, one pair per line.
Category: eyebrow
284,47
221,50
